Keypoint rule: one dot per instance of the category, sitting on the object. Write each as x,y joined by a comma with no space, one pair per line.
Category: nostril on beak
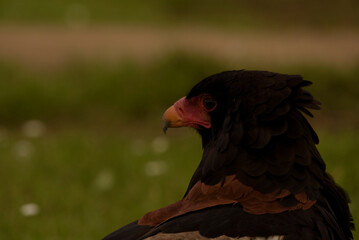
180,111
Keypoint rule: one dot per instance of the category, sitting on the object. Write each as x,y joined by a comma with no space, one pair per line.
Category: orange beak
186,112
171,119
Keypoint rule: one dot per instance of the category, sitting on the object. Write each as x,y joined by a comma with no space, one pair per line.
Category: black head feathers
264,102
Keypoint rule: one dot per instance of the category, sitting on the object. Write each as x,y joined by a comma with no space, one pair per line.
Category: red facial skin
187,112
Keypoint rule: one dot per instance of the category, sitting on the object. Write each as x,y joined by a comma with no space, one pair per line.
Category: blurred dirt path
53,46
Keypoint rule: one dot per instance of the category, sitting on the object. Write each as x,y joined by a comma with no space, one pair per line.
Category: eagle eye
209,103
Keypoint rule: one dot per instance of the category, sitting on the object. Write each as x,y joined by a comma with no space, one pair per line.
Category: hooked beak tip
165,125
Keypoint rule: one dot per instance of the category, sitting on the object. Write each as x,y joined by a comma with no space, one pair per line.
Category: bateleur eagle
261,174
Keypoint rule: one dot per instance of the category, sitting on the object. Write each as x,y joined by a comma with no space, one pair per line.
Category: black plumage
261,173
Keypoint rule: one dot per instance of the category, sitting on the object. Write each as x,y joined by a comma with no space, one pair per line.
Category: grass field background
230,13
81,146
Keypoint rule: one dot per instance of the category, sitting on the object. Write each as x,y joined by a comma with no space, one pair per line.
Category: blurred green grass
61,175
231,13
90,171
84,91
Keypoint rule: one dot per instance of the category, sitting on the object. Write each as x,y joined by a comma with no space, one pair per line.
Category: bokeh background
83,85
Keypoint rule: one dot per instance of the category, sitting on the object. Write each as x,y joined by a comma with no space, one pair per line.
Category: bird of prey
260,176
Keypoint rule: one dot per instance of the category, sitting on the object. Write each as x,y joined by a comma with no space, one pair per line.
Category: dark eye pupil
209,103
